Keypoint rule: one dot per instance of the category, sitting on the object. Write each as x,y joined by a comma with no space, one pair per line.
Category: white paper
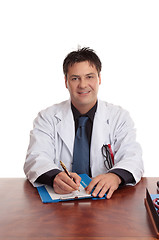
76,194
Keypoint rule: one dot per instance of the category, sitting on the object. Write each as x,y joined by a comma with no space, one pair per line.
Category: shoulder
110,108
55,108
49,114
113,113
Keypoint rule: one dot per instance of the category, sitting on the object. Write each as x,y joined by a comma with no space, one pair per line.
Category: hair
81,55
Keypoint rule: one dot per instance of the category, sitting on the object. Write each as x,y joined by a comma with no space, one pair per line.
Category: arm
127,151
125,176
41,151
44,151
48,177
128,167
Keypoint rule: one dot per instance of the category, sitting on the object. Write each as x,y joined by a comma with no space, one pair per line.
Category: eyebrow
74,75
90,74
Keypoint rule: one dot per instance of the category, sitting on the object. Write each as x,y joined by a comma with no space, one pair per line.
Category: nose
82,83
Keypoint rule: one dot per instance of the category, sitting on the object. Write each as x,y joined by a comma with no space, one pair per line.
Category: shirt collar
90,113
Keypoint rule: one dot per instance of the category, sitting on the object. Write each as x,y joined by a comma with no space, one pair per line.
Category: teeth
84,92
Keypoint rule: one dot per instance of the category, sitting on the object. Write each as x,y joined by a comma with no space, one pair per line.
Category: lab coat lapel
65,126
101,130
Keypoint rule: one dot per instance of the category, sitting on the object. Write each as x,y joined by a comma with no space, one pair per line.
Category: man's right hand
63,184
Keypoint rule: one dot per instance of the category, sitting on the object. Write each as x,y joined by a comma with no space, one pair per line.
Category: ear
99,79
66,82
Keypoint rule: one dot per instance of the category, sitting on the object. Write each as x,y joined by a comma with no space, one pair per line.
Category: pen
66,171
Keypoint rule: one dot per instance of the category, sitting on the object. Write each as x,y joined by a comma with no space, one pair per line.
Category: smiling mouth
84,92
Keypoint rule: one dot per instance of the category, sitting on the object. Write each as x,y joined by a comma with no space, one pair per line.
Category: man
54,135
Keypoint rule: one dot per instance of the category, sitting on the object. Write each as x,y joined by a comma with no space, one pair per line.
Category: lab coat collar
65,125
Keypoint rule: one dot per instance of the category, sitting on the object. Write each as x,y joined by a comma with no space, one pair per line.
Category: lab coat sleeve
41,151
127,151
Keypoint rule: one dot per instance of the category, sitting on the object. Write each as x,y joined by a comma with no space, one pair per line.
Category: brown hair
81,55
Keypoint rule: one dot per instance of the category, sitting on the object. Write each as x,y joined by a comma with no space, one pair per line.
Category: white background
35,37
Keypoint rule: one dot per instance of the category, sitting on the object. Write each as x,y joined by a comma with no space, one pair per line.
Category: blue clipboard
46,197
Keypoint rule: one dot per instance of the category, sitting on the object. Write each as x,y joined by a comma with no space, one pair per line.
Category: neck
83,109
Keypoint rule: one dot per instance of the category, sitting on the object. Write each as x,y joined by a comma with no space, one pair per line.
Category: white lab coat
52,140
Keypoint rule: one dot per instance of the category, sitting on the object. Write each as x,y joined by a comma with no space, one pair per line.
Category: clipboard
154,217
48,195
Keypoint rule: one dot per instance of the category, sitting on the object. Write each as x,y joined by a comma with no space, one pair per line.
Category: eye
90,76
74,78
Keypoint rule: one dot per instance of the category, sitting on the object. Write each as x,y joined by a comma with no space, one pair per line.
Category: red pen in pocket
111,153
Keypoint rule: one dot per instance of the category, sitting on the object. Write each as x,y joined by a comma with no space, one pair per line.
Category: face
82,83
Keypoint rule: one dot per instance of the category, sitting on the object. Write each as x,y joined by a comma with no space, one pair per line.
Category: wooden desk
24,216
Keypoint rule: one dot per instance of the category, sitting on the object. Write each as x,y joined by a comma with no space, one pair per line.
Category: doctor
53,135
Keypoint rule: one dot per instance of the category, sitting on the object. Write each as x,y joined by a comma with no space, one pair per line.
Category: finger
110,193
60,190
63,188
69,181
92,184
99,188
103,191
64,184
76,178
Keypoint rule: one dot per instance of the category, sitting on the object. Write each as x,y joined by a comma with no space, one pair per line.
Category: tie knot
82,121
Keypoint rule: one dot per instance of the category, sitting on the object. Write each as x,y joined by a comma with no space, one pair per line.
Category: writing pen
66,171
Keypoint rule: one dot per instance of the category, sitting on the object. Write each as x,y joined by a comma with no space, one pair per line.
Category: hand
63,184
103,183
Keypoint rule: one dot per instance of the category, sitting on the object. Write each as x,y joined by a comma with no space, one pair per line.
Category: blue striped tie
81,149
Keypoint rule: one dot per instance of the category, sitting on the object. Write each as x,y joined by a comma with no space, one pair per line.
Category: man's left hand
103,183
